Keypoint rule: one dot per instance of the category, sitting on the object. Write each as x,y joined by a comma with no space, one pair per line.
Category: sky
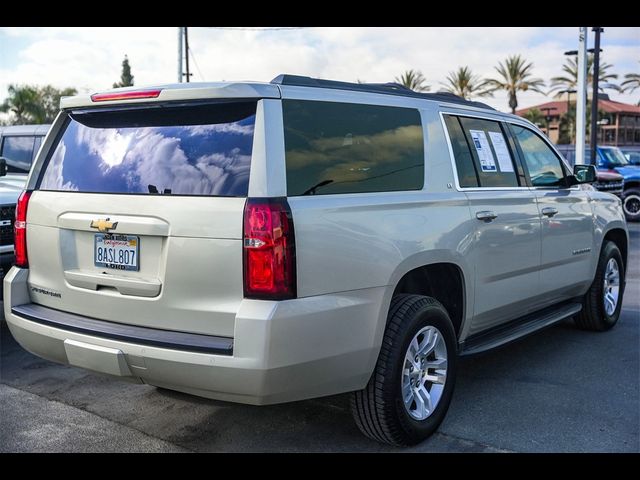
89,59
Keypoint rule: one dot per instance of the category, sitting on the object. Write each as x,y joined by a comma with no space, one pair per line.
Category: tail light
131,95
20,230
269,250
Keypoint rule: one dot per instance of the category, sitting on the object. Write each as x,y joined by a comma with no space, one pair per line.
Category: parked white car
264,243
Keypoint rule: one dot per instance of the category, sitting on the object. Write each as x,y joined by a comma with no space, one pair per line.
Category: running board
518,328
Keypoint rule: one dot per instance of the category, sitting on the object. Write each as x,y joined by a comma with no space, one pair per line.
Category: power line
193,56
258,29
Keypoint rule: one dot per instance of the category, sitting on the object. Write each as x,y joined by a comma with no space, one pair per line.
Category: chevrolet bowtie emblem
103,225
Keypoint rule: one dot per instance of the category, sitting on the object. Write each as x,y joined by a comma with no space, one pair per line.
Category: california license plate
119,252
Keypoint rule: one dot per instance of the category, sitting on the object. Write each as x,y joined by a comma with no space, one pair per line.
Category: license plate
119,252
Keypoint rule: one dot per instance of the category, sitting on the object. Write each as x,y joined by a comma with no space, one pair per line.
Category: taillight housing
20,230
269,252
130,95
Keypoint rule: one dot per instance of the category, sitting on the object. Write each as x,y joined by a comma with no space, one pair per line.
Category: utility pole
186,52
179,54
594,99
581,102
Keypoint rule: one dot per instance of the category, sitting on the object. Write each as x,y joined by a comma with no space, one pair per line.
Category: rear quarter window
200,149
336,148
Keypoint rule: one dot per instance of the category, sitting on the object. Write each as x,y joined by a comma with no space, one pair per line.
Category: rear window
349,148
200,149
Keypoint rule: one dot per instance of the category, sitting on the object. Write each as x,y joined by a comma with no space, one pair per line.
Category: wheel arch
619,237
444,280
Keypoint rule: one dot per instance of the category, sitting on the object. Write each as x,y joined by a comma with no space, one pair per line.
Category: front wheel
409,392
631,205
602,303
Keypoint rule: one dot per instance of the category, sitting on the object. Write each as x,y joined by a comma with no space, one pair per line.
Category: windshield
613,156
200,149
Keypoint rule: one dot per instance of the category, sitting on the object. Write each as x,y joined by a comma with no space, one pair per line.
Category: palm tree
413,79
569,80
23,102
465,84
631,83
515,76
535,116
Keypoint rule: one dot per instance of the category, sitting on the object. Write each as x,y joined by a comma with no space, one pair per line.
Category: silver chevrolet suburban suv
264,243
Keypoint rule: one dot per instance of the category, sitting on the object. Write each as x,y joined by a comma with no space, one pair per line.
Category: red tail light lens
105,97
269,250
20,230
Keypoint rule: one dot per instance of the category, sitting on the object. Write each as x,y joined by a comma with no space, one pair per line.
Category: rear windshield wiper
312,190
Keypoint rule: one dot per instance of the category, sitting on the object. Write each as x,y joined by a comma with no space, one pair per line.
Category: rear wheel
603,302
631,205
409,392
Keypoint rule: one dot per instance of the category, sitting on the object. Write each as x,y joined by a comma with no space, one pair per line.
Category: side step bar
518,328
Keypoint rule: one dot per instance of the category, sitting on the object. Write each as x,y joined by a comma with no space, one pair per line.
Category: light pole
594,98
547,117
569,91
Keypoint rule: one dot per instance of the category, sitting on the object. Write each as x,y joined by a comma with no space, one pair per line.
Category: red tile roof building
620,125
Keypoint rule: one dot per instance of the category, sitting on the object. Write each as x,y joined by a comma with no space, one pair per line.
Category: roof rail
390,88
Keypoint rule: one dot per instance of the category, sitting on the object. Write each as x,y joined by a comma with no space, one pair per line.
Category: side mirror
3,166
583,174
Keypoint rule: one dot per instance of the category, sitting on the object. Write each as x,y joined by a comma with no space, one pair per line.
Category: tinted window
349,148
467,175
18,152
194,150
491,152
544,166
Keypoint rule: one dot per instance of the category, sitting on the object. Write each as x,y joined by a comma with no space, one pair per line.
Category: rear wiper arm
312,190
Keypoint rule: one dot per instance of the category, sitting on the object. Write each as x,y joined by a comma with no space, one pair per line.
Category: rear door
567,254
505,248
137,215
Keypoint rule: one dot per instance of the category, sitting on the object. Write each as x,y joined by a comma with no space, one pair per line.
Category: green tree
569,80
631,83
23,103
413,79
465,84
29,104
126,79
515,76
535,116
49,98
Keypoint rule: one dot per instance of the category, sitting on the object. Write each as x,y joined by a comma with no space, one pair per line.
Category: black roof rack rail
384,88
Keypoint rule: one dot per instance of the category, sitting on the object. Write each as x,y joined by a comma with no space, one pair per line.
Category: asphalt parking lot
561,390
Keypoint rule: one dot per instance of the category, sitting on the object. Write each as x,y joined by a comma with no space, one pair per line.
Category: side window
491,152
333,148
544,166
467,175
18,151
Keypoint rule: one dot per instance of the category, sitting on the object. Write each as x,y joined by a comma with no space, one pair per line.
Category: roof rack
384,88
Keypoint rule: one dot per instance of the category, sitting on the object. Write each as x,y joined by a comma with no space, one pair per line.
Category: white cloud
89,58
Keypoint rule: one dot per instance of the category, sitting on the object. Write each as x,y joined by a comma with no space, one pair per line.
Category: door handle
549,211
486,215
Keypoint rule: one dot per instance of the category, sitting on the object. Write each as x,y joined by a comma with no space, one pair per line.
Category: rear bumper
281,351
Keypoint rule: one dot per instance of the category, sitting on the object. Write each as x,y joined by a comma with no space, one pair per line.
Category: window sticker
487,161
502,152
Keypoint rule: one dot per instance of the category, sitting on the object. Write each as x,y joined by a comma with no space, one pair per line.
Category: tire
631,204
595,315
379,409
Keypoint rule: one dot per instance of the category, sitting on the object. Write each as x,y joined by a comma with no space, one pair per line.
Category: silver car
265,243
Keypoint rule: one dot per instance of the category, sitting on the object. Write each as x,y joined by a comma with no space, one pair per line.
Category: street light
569,91
547,118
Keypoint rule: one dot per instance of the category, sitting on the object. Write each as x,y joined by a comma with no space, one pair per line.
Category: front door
567,221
